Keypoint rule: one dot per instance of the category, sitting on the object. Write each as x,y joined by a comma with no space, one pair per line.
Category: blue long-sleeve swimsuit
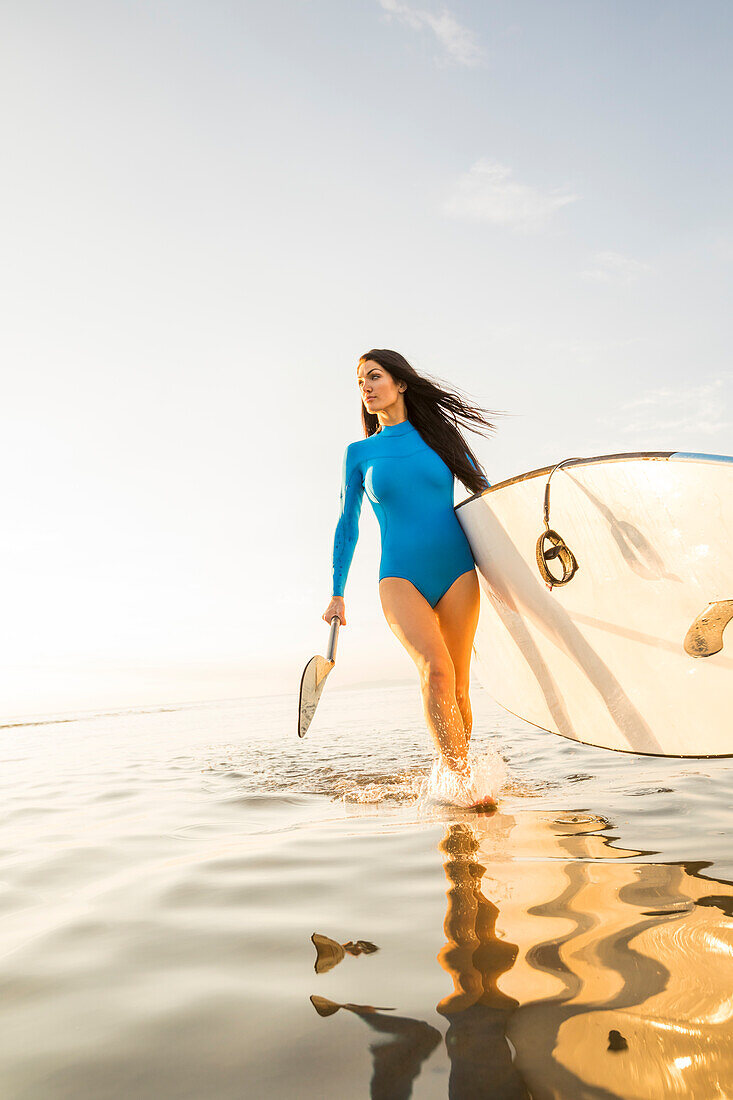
411,491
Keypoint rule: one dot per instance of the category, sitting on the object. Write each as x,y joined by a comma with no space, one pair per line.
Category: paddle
313,679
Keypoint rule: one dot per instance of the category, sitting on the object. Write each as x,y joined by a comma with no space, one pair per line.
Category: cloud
458,42
698,409
612,267
487,193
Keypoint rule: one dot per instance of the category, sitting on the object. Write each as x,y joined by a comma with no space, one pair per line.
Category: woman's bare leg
415,624
457,613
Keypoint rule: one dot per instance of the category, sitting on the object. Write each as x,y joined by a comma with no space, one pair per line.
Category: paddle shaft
333,639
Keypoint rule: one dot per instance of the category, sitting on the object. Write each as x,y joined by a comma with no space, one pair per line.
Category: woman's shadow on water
475,958
397,1060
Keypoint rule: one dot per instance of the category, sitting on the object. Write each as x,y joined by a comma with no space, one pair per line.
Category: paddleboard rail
545,471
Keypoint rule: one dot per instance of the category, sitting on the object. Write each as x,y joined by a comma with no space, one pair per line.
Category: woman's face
379,390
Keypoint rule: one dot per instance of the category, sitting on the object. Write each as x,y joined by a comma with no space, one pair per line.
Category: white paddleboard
634,651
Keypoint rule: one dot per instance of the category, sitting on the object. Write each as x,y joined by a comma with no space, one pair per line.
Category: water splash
404,787
368,774
481,783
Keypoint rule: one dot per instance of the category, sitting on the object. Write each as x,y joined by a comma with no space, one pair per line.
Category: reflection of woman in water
407,462
475,958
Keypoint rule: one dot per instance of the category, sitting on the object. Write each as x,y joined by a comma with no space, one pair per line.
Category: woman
427,581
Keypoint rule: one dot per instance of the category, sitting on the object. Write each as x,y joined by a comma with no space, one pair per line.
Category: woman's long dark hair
435,411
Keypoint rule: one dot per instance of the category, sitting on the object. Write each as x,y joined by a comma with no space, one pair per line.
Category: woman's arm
347,528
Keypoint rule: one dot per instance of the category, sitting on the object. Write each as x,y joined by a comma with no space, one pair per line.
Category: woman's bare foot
460,785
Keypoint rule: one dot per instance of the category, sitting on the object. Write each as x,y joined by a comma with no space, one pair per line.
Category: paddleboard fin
705,636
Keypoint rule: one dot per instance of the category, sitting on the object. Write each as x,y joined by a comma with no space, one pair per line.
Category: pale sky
210,210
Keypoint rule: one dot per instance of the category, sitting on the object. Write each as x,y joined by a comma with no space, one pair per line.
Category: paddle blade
311,686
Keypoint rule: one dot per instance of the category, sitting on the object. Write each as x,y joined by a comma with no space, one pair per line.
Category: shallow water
163,873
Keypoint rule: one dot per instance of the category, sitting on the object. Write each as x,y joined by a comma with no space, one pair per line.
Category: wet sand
164,872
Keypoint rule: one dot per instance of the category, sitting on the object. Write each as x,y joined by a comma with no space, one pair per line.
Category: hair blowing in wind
436,412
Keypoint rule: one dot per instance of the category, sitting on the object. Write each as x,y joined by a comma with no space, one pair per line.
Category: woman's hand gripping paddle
313,679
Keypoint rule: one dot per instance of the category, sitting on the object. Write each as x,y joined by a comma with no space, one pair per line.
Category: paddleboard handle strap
333,639
550,545
557,466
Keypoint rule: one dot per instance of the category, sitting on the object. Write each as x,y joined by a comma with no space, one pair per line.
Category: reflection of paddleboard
634,651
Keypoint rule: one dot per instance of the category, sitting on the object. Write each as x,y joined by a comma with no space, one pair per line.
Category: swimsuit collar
397,429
